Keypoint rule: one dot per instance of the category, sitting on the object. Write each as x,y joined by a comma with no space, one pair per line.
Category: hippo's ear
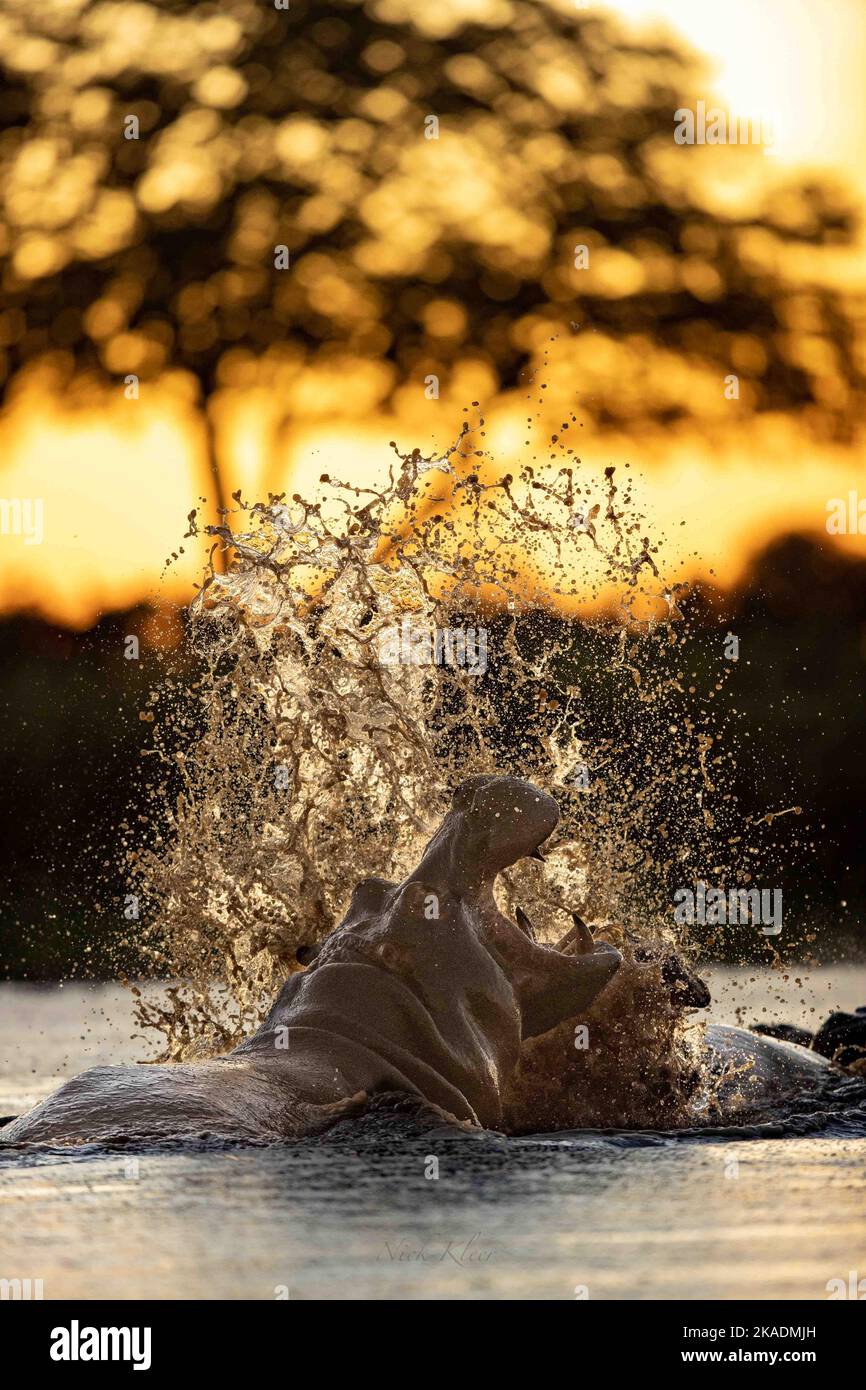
687,990
370,896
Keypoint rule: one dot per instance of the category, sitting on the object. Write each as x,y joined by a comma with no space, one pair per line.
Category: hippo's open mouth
578,940
687,990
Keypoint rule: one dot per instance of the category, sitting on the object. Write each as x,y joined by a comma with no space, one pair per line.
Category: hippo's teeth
536,854
524,923
578,940
583,939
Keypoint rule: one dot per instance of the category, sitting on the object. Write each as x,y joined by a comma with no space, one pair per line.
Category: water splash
318,762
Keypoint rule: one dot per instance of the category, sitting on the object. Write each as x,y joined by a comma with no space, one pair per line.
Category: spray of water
334,725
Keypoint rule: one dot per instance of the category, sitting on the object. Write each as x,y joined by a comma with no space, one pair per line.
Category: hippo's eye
423,902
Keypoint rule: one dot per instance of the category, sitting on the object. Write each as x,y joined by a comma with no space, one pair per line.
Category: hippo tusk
536,854
525,925
578,941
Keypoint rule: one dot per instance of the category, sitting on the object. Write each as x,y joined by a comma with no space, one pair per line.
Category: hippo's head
493,822
842,1038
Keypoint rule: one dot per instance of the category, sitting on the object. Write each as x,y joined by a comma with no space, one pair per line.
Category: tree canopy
309,128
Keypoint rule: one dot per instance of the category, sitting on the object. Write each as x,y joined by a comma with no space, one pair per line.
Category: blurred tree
430,171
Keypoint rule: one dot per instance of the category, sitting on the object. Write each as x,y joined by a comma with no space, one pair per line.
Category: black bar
199,1337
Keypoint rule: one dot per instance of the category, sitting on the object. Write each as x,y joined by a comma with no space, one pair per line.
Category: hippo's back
182,1100
760,1070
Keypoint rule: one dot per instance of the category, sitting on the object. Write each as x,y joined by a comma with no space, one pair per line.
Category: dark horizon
72,765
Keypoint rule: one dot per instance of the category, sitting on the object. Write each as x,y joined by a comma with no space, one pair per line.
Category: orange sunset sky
118,478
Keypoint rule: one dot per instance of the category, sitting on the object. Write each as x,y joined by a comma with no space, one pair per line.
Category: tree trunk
218,485
271,475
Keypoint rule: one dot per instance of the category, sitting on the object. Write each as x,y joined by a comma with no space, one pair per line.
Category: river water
355,1214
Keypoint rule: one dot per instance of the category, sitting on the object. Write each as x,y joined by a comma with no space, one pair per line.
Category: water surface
354,1216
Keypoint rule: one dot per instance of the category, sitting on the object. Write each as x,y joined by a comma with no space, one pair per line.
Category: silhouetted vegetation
74,775
75,783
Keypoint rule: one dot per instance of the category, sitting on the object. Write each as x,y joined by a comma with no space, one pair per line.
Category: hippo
425,989
642,1065
841,1037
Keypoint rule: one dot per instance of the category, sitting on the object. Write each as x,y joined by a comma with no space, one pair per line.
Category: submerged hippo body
631,1064
425,988
758,1072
